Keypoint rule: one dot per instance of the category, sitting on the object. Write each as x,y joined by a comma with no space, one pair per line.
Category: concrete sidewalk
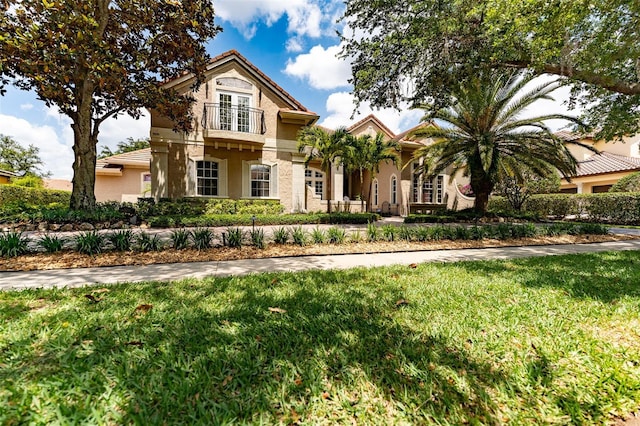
61,278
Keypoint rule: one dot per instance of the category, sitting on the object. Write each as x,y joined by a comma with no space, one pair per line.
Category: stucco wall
127,187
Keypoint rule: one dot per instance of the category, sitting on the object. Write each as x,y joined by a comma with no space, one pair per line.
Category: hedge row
620,208
22,195
247,219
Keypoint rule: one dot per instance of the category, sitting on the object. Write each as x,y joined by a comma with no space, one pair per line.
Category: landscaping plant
280,235
299,236
121,240
234,237
202,238
13,244
257,238
147,242
180,239
89,242
318,236
52,243
336,235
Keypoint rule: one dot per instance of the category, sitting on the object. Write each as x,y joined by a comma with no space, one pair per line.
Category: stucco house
398,189
124,177
243,145
597,172
5,176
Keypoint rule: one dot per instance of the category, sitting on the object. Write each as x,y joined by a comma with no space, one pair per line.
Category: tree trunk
84,165
329,187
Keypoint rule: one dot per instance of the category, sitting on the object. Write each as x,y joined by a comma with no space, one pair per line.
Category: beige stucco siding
127,187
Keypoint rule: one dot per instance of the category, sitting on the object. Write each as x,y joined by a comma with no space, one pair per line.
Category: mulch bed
71,259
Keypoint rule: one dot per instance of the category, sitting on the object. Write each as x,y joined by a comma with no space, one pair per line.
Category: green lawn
542,340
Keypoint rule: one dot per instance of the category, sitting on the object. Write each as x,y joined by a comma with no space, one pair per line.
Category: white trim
391,189
376,188
192,176
273,179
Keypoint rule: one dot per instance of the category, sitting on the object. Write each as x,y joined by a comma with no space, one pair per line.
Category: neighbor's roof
606,162
573,136
7,173
232,55
375,119
141,157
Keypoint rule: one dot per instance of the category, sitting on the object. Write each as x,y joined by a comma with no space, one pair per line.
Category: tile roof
572,136
402,137
376,121
606,162
7,173
141,157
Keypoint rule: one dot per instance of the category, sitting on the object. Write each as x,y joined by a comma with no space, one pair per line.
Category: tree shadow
283,349
605,277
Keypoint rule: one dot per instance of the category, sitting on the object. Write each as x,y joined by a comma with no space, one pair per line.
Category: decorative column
298,193
159,170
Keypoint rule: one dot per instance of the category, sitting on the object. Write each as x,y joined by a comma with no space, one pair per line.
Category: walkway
175,271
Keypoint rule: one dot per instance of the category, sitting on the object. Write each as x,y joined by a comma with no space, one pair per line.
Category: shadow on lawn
215,352
606,277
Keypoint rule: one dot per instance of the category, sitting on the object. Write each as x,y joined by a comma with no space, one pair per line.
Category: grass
529,341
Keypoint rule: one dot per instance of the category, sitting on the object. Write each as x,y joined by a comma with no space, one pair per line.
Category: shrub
257,238
422,234
355,236
280,235
180,239
147,242
318,236
202,238
234,237
52,243
479,232
389,232
89,242
121,240
462,233
629,183
524,230
336,235
244,207
503,231
373,233
21,195
593,229
299,236
13,244
405,233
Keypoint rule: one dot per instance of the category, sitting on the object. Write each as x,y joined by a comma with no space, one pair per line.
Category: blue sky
294,42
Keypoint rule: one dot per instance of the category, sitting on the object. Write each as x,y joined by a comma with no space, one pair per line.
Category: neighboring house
58,184
5,176
244,141
124,177
597,172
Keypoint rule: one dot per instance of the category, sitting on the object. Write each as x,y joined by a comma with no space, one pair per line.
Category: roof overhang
298,117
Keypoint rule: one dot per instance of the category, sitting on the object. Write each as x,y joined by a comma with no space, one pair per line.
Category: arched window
394,189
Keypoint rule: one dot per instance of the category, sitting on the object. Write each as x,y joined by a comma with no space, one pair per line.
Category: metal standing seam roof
605,162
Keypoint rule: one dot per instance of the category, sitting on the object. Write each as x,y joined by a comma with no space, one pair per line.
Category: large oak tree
417,49
95,59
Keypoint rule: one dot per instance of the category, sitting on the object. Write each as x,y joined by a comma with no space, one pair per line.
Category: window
207,174
423,190
394,189
234,112
375,192
260,180
315,179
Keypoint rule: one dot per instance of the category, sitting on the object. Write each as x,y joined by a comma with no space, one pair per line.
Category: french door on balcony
233,114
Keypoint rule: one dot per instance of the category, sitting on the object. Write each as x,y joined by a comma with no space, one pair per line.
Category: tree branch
608,83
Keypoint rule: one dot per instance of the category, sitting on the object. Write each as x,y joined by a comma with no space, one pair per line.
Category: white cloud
321,68
304,17
294,45
558,106
340,106
55,152
55,137
26,107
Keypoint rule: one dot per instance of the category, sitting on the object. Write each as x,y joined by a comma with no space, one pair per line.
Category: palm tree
376,151
325,146
484,134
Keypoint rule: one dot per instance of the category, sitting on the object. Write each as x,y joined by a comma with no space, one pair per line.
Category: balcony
237,123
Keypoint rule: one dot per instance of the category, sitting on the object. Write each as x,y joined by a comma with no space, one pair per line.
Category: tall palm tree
325,146
484,134
376,151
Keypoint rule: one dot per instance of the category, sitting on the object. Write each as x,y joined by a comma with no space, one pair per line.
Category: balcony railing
233,119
